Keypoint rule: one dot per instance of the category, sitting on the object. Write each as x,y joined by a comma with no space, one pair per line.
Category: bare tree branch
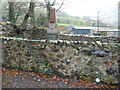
41,4
29,13
53,3
60,6
4,19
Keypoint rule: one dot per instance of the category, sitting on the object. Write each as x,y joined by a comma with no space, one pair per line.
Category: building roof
85,27
100,29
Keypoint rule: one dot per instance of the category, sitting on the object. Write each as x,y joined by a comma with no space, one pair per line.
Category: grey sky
87,7
81,7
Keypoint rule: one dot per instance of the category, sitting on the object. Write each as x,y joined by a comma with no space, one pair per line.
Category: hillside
67,20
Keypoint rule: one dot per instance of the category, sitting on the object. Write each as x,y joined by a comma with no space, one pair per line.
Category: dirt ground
12,78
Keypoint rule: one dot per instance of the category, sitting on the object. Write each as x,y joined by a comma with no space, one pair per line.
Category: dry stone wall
39,33
9,30
66,60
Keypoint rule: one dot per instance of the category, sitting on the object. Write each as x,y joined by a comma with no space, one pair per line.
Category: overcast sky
82,7
87,7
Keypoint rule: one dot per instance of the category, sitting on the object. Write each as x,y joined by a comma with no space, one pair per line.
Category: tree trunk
32,16
11,12
30,13
48,10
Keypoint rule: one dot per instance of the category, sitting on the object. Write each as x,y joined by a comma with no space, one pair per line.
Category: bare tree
30,13
11,13
14,9
60,6
19,9
50,4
